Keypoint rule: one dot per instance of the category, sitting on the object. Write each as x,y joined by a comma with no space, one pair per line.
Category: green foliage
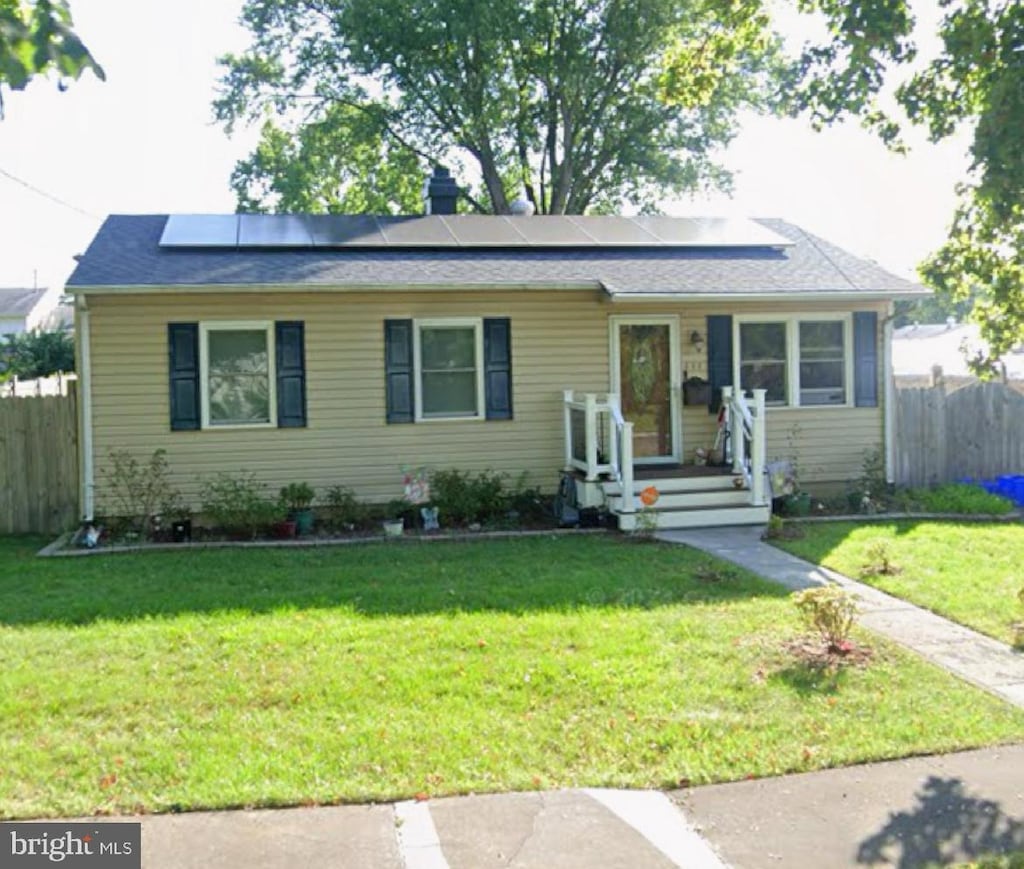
462,497
960,498
586,106
36,38
137,491
298,496
646,523
880,561
344,511
830,611
238,504
36,354
775,527
341,163
973,80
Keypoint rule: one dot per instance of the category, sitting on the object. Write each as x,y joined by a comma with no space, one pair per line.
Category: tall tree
565,99
36,38
976,80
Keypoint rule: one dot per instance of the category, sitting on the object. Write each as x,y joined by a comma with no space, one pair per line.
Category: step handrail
746,425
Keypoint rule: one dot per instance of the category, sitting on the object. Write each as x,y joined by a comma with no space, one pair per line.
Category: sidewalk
905,813
985,662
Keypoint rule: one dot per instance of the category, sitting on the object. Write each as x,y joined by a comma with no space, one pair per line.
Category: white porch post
758,448
628,501
567,426
590,403
611,439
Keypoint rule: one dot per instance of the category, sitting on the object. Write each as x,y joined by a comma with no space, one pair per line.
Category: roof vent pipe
440,192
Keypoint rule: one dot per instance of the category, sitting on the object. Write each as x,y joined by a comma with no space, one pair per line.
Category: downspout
890,396
85,410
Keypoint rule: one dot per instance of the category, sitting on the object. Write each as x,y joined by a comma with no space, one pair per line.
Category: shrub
831,612
962,498
239,504
298,496
462,498
344,511
138,490
528,502
880,561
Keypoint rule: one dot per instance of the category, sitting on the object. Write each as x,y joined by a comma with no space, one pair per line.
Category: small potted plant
394,517
298,499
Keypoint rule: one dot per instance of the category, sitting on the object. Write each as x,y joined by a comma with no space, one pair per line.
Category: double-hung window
448,356
237,375
800,361
455,368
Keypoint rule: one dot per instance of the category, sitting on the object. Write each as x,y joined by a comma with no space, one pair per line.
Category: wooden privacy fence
38,464
941,437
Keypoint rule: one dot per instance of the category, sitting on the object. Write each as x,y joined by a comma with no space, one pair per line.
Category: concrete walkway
906,813
980,660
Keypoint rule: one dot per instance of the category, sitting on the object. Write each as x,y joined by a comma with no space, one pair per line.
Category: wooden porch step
701,517
672,485
671,500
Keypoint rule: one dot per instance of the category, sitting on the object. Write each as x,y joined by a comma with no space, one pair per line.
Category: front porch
600,450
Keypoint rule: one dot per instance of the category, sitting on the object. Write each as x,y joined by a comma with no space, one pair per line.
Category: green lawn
969,572
217,678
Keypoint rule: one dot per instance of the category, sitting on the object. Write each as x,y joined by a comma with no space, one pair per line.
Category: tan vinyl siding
559,340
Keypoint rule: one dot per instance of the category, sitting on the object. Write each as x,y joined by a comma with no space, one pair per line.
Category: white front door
645,374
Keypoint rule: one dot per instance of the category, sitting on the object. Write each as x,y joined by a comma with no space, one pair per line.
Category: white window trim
205,329
792,324
475,323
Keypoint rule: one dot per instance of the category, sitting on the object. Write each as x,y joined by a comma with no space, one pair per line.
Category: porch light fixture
696,339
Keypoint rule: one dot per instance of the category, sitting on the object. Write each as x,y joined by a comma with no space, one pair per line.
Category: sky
144,141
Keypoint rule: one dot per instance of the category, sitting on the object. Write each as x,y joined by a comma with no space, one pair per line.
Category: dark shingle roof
126,253
18,301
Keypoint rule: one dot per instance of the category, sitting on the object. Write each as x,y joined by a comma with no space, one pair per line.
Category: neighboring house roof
19,302
126,254
918,348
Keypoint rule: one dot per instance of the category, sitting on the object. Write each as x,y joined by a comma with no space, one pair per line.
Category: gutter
86,474
136,289
780,296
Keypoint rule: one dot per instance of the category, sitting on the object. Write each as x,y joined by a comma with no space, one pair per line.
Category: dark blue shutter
719,357
398,370
183,354
498,367
290,360
865,359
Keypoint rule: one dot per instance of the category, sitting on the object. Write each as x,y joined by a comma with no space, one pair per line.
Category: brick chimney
440,192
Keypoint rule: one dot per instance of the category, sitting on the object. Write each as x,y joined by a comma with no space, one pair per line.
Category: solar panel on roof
613,230
465,230
200,230
471,232
273,230
543,230
709,231
426,231
342,230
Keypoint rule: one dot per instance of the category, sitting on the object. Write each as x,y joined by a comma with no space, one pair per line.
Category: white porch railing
746,426
599,442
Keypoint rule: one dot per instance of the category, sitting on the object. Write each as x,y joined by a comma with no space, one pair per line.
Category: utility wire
46,195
